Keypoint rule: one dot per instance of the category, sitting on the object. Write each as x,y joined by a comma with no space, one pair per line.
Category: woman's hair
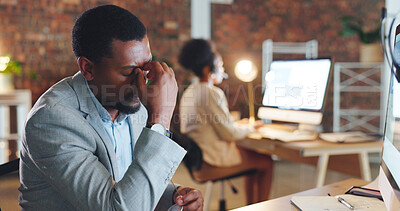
197,54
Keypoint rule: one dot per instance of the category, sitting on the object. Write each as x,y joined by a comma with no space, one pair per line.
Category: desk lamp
246,71
4,63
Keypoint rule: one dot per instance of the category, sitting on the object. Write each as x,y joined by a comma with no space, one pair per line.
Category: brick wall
240,29
38,33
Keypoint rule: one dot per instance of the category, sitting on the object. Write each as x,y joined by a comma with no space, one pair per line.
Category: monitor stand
387,191
294,116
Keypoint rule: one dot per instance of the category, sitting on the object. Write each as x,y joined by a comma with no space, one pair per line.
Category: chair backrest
194,157
9,167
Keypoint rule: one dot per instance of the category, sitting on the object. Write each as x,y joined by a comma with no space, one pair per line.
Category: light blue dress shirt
120,135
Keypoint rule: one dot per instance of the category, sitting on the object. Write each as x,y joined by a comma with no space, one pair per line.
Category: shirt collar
104,115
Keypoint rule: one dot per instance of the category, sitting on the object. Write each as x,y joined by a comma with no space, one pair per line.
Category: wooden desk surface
309,148
308,151
283,203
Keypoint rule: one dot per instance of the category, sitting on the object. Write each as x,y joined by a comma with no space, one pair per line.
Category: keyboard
287,135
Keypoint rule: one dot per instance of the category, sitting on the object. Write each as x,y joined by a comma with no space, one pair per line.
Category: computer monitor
295,91
389,173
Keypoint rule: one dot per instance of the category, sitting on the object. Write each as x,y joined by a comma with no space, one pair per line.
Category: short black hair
95,29
195,55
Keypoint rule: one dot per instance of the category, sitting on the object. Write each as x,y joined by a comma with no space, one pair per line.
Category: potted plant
8,67
370,48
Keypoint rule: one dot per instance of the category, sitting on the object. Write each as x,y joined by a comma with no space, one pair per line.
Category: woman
205,117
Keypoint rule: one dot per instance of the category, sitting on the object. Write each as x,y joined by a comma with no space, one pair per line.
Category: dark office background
38,34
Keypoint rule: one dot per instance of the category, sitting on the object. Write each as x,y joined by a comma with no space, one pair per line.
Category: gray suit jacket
68,162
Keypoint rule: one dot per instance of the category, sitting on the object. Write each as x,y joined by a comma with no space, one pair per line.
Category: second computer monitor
295,90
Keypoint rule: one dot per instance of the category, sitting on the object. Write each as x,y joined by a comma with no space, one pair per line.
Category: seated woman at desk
205,117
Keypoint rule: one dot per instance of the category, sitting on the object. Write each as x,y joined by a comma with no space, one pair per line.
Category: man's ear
86,67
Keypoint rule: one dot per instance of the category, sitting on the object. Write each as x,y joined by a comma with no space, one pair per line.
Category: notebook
331,203
347,137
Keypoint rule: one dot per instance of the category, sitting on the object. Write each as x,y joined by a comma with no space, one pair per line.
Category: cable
393,61
389,41
383,37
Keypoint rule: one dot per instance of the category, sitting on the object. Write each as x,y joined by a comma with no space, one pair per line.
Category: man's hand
190,199
159,96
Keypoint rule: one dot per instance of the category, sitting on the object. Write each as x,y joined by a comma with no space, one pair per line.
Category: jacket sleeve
222,120
62,146
166,200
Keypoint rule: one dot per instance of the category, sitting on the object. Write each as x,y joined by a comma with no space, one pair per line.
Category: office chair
9,167
193,161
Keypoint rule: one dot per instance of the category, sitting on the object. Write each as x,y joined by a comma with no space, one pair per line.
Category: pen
176,189
345,203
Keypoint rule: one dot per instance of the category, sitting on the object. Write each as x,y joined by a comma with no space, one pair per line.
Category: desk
346,158
283,203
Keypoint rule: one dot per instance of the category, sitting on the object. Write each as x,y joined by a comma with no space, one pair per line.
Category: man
86,145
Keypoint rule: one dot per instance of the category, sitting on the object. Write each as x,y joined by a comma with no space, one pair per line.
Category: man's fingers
192,199
193,206
154,69
140,79
165,66
167,69
191,196
150,67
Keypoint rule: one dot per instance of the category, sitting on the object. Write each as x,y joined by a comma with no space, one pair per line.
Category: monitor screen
297,84
391,145
389,177
390,164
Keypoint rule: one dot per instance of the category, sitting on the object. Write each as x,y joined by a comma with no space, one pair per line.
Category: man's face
114,83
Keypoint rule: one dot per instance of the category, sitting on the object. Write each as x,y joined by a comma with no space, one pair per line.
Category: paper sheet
330,203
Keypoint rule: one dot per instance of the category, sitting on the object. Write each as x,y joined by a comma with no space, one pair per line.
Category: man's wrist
160,129
159,119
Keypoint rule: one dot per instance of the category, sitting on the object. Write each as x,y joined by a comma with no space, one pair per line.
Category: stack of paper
331,203
347,137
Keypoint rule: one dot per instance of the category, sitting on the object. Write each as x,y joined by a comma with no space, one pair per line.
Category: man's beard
125,106
127,109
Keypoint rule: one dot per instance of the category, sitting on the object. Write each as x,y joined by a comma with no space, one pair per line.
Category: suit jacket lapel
87,106
137,121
